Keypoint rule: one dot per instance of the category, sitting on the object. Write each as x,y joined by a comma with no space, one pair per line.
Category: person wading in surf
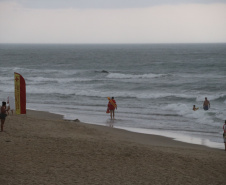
206,104
194,108
112,106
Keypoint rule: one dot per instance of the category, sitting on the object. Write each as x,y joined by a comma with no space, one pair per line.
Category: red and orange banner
20,94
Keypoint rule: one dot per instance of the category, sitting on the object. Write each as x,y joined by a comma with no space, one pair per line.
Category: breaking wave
134,76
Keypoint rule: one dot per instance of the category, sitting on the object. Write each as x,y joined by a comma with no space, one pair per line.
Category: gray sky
112,4
112,21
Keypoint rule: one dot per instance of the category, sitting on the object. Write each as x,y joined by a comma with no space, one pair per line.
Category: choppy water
155,86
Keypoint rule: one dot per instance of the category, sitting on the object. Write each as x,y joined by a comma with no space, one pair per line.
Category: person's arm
108,105
115,104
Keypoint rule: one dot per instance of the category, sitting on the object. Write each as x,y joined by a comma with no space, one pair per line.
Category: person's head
205,98
3,103
112,98
194,106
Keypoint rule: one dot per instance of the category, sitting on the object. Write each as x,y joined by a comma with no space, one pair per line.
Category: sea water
155,85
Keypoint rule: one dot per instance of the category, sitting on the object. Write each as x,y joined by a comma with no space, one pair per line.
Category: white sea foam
130,94
58,80
134,76
6,80
211,96
201,116
150,95
221,115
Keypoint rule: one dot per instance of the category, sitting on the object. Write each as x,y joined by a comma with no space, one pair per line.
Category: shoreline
45,115
43,148
185,138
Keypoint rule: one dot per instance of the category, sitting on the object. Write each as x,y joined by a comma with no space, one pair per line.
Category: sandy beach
42,148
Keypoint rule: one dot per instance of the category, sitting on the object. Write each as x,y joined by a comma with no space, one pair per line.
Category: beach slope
42,148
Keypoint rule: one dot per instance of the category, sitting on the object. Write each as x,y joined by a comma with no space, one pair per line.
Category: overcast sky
112,21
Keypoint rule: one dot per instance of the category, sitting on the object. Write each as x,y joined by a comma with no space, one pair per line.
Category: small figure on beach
8,108
194,108
224,134
206,104
3,114
11,104
112,106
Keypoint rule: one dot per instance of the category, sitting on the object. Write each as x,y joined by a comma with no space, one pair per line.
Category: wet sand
42,148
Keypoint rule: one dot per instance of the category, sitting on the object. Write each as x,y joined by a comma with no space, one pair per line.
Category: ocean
155,85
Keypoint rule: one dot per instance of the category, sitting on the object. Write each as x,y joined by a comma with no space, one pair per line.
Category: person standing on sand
112,106
7,107
206,104
224,134
3,114
11,103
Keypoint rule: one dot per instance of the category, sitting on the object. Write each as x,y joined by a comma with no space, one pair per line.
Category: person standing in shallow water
224,134
112,106
206,104
3,115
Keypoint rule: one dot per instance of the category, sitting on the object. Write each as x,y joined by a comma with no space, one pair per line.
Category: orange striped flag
20,94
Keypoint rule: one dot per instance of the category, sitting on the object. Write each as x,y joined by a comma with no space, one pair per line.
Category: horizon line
115,43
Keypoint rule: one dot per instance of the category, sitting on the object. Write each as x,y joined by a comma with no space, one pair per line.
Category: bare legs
112,113
2,124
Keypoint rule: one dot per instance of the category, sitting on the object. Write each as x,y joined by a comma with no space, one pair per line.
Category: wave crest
134,76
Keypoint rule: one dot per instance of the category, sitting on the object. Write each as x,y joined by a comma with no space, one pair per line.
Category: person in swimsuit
194,108
11,104
112,106
224,134
206,104
3,114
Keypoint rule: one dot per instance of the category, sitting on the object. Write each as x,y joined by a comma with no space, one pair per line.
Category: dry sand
42,148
